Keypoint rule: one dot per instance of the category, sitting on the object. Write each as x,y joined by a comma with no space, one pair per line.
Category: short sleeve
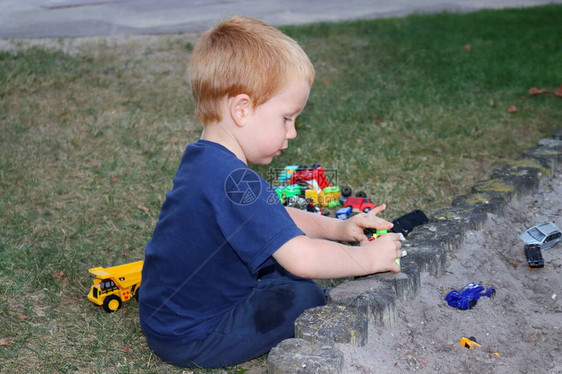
253,220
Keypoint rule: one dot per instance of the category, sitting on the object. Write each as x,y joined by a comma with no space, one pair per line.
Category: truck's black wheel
346,191
111,304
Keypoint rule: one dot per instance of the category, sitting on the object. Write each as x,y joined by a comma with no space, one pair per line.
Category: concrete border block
524,175
549,154
406,284
468,217
496,188
429,255
333,324
488,202
449,233
303,357
376,299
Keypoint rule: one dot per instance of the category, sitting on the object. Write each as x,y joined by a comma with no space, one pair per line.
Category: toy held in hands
374,234
406,223
377,233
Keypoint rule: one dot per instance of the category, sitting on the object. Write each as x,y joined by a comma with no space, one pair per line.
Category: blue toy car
467,297
343,213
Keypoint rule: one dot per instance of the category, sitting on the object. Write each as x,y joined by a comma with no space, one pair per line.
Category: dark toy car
406,223
468,296
534,256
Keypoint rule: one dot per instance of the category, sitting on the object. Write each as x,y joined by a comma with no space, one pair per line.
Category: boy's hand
352,228
385,251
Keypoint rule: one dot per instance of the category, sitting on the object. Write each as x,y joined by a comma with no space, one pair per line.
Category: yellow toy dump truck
114,285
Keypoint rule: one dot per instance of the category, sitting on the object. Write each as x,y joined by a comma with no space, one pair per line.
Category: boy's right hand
385,250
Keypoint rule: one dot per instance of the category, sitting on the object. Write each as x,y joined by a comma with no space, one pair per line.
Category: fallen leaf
59,275
537,91
558,91
467,47
512,109
113,179
143,208
23,317
5,342
532,336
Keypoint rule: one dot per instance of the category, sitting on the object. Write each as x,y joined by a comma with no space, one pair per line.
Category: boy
228,268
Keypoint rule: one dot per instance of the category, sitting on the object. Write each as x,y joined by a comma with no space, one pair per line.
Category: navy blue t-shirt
220,224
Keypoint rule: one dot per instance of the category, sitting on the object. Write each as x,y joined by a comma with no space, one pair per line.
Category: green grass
90,141
400,106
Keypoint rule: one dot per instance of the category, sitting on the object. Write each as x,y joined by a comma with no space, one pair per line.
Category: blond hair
243,56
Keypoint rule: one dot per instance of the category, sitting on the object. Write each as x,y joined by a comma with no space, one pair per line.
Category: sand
522,323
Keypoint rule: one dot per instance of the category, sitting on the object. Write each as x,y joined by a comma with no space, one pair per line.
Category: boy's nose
291,131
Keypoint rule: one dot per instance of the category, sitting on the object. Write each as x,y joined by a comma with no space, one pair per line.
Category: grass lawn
411,110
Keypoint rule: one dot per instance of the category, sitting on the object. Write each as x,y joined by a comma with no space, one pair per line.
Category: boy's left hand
352,228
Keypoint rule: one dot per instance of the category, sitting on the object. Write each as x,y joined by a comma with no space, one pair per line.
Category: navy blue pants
250,330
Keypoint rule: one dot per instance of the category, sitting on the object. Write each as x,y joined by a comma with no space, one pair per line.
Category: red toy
359,204
309,175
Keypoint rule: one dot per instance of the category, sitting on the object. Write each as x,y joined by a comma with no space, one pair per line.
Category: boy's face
271,125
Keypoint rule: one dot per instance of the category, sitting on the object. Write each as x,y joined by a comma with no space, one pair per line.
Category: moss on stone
495,185
477,198
529,163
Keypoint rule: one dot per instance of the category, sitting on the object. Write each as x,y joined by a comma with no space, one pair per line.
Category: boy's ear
240,107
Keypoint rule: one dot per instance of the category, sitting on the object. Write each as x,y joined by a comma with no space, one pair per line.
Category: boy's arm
323,259
320,227
315,225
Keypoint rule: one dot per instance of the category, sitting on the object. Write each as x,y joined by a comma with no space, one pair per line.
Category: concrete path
74,18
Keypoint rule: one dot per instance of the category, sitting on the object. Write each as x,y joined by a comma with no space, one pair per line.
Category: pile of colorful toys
308,188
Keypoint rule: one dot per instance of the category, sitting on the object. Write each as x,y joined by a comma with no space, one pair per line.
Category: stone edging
353,305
